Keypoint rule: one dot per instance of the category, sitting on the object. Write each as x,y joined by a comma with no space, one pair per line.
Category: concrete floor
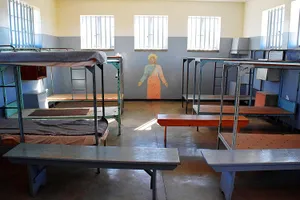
192,180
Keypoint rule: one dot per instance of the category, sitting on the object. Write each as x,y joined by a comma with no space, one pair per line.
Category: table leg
165,138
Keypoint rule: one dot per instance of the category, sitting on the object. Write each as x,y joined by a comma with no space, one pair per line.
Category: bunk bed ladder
75,88
217,77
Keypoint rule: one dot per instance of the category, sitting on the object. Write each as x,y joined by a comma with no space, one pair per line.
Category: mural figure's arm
161,75
144,77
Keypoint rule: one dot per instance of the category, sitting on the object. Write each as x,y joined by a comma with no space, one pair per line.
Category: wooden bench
38,156
197,120
230,162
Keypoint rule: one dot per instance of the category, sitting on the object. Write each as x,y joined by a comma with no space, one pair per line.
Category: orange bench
197,120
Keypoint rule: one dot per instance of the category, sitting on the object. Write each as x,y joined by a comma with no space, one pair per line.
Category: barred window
150,32
97,31
25,24
204,33
272,27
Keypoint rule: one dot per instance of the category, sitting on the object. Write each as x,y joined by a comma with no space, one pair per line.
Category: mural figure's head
152,58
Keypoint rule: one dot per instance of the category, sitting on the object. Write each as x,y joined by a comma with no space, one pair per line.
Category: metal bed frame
202,62
242,67
117,62
18,86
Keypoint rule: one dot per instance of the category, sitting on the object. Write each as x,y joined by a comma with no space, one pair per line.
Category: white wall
253,15
48,14
69,12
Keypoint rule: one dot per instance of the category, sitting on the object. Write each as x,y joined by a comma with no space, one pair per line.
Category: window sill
210,51
98,49
145,50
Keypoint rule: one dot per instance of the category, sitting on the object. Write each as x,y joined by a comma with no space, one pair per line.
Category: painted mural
154,75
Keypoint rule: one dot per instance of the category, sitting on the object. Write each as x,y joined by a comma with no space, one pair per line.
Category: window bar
273,29
197,36
26,25
209,32
202,43
96,32
145,36
10,21
32,23
91,35
276,26
15,22
281,25
158,19
105,35
269,30
22,25
110,32
17,27
205,33
100,34
164,20
214,33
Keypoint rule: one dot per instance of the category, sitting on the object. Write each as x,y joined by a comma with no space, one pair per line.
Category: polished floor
192,180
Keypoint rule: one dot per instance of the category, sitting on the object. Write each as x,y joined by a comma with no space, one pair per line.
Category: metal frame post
119,102
199,85
214,83
222,103
251,82
182,81
17,77
93,71
194,85
236,107
102,89
187,86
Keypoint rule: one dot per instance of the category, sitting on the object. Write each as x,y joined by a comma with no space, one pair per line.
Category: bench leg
165,137
152,174
227,184
153,185
37,178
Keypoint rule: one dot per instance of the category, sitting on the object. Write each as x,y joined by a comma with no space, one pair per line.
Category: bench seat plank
252,160
38,156
95,156
231,161
198,120
243,110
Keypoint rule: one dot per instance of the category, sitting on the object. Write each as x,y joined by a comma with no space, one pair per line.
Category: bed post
187,86
102,89
236,106
182,82
221,104
194,86
199,84
19,101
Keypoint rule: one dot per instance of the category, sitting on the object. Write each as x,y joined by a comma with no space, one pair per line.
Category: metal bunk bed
202,62
112,112
90,60
235,140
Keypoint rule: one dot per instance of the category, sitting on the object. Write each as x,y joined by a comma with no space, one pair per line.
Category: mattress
79,132
59,59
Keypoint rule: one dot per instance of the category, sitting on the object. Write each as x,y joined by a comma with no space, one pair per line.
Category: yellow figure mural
155,75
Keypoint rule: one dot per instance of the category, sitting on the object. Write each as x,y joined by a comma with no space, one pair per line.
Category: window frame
99,35
217,36
273,40
164,32
23,26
